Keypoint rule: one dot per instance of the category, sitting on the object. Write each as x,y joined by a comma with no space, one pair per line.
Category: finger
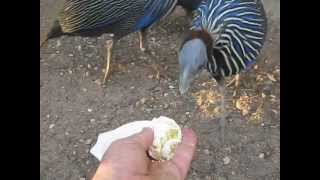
144,138
185,151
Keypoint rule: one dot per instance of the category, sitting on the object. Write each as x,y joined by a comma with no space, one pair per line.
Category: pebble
84,89
57,52
74,152
81,131
66,133
89,110
233,173
61,73
88,141
89,66
206,151
79,48
48,116
226,160
143,100
165,106
261,155
70,71
165,94
82,178
98,82
132,87
187,113
171,87
96,68
51,126
92,120
70,55
58,43
87,74
148,110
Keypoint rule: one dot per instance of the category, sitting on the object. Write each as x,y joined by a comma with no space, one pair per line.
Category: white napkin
105,139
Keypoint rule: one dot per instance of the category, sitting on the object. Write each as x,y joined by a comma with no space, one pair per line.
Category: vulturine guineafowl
225,38
117,17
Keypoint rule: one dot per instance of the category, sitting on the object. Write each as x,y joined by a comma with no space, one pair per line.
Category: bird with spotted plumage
92,18
225,38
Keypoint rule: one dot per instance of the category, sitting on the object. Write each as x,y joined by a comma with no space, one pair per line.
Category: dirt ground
75,109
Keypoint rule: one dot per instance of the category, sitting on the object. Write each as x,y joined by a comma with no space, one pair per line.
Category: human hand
127,159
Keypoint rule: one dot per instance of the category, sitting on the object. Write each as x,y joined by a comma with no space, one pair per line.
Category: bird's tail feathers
54,32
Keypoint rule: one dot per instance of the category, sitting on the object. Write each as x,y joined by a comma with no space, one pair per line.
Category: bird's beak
184,81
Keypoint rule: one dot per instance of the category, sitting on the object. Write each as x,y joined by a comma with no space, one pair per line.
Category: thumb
144,138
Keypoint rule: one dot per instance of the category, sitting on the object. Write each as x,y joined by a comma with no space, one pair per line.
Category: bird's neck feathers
205,37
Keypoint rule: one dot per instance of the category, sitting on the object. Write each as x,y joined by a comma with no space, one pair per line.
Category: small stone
92,120
58,43
70,71
89,66
48,116
51,126
74,152
81,131
206,151
261,155
132,87
82,178
79,48
61,73
98,82
226,160
262,124
89,110
148,110
84,90
233,173
57,52
96,68
171,87
187,113
165,94
150,76
66,133
165,106
143,100
88,141
87,74
70,55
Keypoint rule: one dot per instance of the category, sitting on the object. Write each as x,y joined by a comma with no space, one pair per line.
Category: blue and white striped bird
225,38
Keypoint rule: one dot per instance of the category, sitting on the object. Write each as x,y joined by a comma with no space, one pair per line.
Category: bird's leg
235,81
109,46
221,84
142,39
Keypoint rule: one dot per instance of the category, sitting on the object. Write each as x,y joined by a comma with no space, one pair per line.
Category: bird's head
192,59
